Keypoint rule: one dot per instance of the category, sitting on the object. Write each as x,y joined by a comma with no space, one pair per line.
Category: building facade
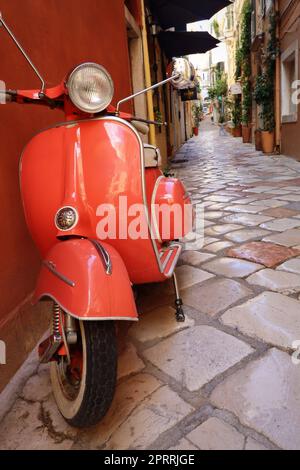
289,17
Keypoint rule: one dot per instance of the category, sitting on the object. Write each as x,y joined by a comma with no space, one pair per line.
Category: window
289,74
229,18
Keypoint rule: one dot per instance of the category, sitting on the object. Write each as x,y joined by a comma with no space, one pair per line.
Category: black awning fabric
174,13
177,44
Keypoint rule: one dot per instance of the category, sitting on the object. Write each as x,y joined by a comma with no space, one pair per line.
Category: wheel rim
70,374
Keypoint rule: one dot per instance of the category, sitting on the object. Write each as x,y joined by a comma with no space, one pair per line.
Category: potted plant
196,118
236,117
246,113
264,90
264,97
257,136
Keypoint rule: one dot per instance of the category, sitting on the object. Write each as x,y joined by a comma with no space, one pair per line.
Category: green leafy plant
197,113
216,27
264,97
158,115
220,88
238,64
264,93
245,63
236,111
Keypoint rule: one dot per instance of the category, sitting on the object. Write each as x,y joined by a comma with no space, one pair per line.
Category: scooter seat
152,156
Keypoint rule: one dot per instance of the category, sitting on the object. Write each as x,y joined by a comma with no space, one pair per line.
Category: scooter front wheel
84,386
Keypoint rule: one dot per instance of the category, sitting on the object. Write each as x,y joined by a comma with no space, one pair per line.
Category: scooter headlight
66,218
90,87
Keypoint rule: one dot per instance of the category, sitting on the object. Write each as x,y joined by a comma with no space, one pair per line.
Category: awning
173,13
177,44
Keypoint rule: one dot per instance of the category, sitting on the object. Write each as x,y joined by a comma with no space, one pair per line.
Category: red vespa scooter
93,197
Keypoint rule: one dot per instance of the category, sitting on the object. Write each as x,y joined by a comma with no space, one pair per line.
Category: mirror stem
174,77
3,23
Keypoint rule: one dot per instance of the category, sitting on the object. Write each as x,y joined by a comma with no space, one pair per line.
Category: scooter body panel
75,274
90,165
96,166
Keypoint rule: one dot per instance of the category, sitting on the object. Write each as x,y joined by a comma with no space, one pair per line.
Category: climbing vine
245,57
264,94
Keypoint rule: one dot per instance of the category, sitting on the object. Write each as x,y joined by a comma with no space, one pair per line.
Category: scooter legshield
88,280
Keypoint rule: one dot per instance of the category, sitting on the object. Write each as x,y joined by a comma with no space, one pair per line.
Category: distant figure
222,131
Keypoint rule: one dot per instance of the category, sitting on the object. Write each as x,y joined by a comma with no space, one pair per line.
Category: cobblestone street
225,378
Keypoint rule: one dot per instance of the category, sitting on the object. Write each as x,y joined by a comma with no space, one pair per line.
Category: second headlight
90,87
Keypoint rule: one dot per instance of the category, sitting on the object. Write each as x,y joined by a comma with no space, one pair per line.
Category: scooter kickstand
180,316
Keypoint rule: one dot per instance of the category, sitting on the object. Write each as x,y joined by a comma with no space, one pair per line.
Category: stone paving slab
288,238
292,266
184,444
129,395
195,356
23,429
218,246
279,281
214,434
265,395
129,362
251,220
270,317
187,276
216,296
157,324
252,444
231,267
245,235
158,413
195,258
271,203
280,212
247,208
265,253
281,225
218,230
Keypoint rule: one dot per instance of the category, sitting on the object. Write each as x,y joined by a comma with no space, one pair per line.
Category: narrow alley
227,378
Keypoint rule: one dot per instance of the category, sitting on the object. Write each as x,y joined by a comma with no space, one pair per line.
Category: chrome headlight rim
74,98
66,208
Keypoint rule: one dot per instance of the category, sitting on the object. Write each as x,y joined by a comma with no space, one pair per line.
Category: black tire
91,398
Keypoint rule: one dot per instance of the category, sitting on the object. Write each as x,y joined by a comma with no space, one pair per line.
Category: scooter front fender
88,280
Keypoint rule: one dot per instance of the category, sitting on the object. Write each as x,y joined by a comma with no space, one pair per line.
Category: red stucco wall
57,34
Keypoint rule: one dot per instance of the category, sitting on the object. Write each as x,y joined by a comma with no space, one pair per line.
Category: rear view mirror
183,72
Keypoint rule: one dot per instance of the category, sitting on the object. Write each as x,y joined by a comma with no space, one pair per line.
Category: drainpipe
277,85
148,83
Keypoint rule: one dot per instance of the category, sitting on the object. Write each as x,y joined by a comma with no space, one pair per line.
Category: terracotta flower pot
237,131
246,132
267,140
196,131
258,144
